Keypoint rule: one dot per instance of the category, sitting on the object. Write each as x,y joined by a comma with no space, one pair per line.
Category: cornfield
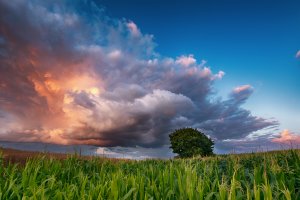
274,175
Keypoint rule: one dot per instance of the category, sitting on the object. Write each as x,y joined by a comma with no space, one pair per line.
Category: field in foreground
273,175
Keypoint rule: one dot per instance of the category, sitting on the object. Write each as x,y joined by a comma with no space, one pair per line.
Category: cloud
133,28
298,54
242,93
241,89
186,60
69,77
287,137
219,75
260,142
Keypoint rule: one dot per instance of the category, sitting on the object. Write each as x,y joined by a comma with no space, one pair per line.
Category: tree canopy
189,142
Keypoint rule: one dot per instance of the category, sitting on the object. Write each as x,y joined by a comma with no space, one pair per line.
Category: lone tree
189,142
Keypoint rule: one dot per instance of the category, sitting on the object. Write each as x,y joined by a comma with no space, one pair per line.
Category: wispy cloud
70,77
298,54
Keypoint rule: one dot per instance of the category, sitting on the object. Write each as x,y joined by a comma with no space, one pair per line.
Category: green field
273,175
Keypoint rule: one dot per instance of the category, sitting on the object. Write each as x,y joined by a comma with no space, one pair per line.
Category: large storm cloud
69,74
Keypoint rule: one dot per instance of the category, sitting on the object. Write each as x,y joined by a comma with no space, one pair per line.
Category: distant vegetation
273,175
189,142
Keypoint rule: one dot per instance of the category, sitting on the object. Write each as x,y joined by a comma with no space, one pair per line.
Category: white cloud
186,60
219,75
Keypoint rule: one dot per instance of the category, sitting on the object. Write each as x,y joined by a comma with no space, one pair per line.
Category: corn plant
273,175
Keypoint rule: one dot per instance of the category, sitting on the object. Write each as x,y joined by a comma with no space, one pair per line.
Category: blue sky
119,76
253,42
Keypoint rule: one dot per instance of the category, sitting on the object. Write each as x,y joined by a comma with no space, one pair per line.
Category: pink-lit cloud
133,28
287,137
242,88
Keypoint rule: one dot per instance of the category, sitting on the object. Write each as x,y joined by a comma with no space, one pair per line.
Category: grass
274,175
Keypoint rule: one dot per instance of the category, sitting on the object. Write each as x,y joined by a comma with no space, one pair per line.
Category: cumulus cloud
69,77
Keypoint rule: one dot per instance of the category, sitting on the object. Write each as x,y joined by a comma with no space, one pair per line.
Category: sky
117,77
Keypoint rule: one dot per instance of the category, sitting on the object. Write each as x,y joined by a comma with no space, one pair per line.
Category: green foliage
249,176
189,142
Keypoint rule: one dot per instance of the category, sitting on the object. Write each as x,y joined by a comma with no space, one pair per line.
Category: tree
189,142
